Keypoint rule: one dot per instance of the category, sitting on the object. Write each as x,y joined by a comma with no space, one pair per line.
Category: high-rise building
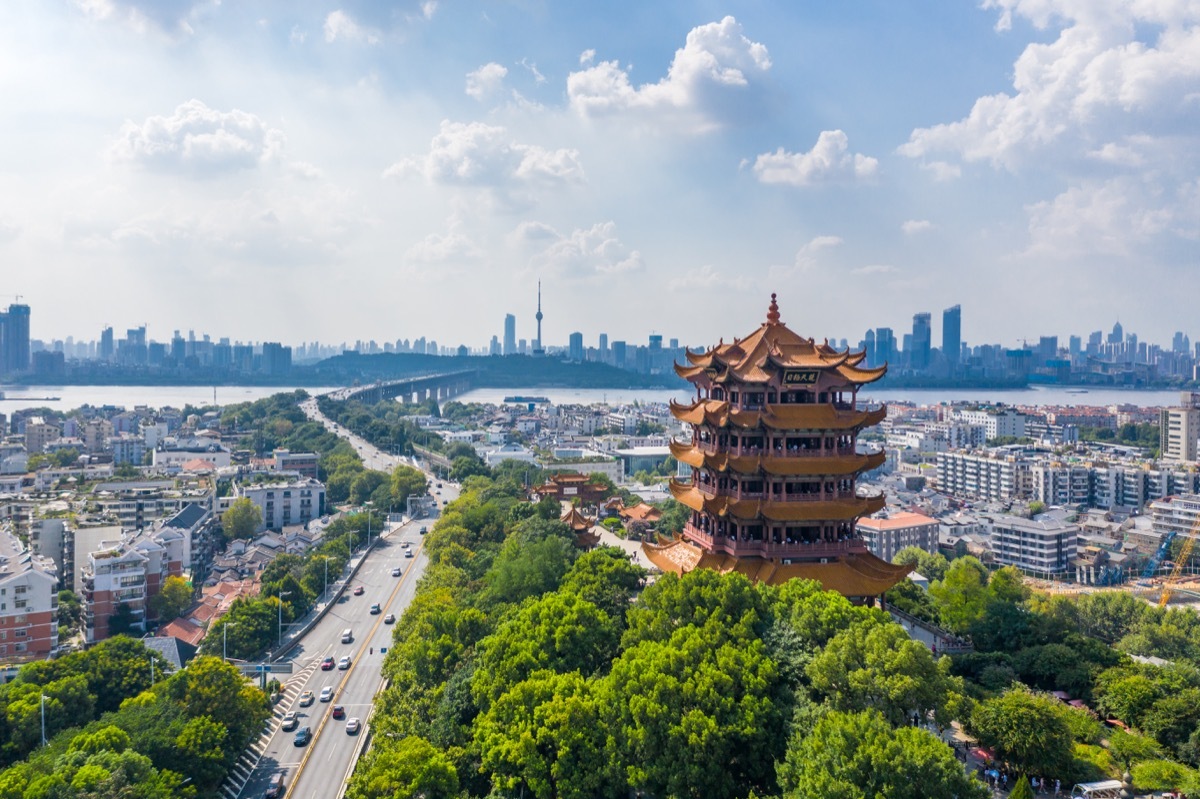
603,348
106,343
14,340
922,339
781,502
618,351
885,345
952,335
575,347
510,334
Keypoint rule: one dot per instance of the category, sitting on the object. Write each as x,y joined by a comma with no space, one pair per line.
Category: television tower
537,345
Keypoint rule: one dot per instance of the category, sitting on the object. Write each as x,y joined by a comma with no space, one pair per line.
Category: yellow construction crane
1185,552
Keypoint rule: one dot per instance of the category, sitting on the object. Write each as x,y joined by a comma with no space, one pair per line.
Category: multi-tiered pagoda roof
775,463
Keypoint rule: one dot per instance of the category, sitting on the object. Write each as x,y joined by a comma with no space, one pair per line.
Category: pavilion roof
822,416
748,509
782,466
756,358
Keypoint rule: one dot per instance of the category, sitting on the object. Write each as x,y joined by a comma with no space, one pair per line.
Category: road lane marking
308,750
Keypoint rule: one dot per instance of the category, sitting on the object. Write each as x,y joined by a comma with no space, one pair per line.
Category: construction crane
1185,552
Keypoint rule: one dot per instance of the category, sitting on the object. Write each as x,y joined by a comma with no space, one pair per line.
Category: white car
327,693
344,663
396,572
353,726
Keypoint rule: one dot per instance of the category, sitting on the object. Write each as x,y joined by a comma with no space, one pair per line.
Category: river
70,397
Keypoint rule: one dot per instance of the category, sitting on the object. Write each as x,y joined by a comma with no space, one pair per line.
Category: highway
322,767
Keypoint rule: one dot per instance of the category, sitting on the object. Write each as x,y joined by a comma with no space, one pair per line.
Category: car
408,553
389,619
275,786
439,485
359,590
439,493
424,530
303,736
344,663
307,698
327,693
291,720
396,572
353,726
375,609
406,545
327,663
339,712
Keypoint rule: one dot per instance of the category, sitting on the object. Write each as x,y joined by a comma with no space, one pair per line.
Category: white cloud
144,16
716,59
447,246
477,154
943,171
587,56
1101,76
486,80
828,161
1120,217
538,77
914,226
340,25
199,139
582,253
874,269
429,8
708,279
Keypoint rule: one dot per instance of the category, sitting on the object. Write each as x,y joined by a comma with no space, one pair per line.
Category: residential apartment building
28,602
1179,515
174,454
986,476
1061,484
1179,429
39,433
997,422
282,504
1042,546
887,535
303,463
128,572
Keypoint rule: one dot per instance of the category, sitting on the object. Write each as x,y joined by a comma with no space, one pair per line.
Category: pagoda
775,464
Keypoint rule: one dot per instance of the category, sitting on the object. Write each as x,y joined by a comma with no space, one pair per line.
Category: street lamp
368,505
225,639
151,671
282,594
43,719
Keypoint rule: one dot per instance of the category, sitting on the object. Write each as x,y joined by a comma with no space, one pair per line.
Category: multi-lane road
388,578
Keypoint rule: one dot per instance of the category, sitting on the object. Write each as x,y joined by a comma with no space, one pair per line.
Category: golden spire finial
773,312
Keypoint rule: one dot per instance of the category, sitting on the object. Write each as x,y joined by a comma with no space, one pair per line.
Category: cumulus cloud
913,226
828,161
582,253
486,80
477,154
340,25
196,138
943,171
1116,68
716,60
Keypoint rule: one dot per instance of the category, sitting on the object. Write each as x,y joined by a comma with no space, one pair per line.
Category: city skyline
393,168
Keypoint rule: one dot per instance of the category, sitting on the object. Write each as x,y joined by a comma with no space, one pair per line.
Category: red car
358,590
339,711
327,664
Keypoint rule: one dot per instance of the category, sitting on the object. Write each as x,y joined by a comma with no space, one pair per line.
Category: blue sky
338,170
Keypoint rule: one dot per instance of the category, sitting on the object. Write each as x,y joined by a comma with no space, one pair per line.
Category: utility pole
43,719
282,594
225,640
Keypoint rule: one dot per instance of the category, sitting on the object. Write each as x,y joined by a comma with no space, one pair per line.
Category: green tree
873,666
1125,696
466,466
1028,730
558,631
200,747
1022,790
413,767
242,519
695,715
860,756
1129,748
606,578
727,607
407,482
1166,775
930,565
123,621
172,599
545,735
962,595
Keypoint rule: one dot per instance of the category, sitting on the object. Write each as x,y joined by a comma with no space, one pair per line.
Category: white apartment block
960,435
984,477
1039,546
28,603
1179,515
1061,484
996,422
1179,429
39,433
888,535
283,504
174,454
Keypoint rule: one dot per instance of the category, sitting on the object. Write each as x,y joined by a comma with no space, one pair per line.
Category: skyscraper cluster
14,340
